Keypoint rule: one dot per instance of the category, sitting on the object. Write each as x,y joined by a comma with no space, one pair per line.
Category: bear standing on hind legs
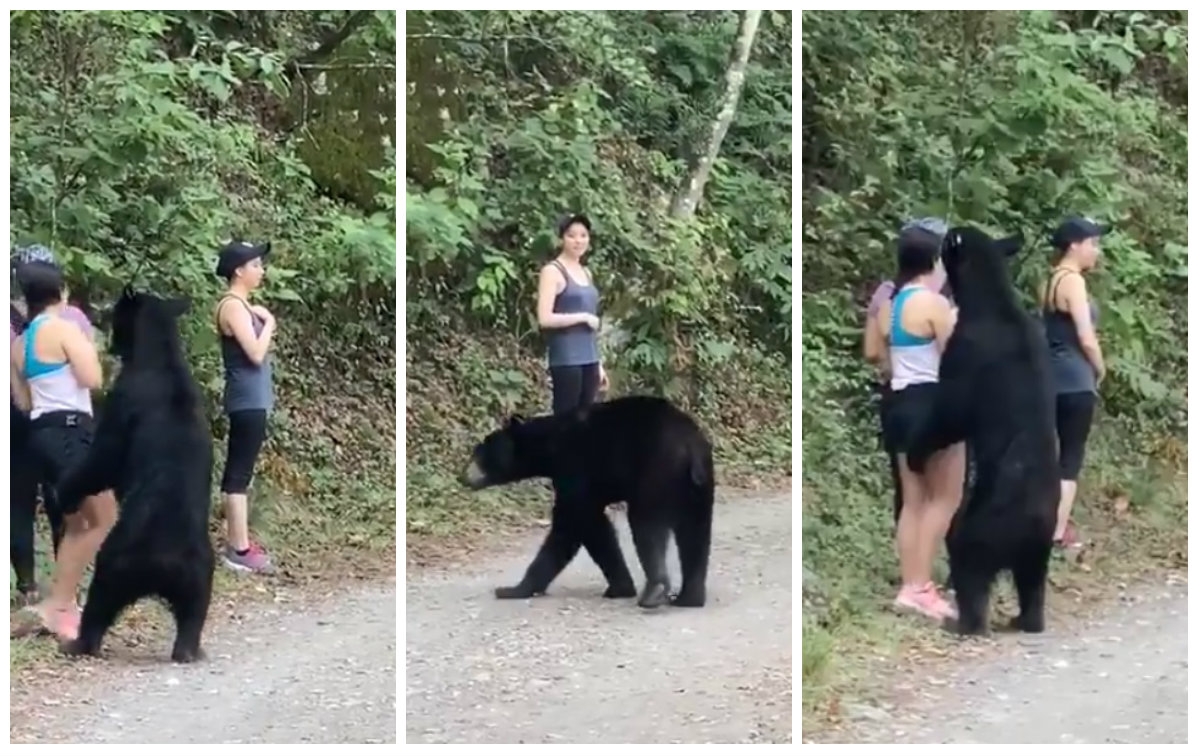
637,449
152,446
994,390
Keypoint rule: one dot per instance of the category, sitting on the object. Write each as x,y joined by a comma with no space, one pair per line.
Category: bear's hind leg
693,540
557,551
188,595
110,593
650,535
972,594
600,540
1029,577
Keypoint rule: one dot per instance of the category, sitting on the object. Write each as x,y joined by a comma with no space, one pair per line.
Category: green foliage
140,140
516,117
1008,120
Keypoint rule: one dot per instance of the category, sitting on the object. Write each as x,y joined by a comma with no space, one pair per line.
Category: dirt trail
1117,677
571,667
289,674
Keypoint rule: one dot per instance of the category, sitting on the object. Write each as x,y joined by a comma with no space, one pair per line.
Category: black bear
641,450
995,392
153,446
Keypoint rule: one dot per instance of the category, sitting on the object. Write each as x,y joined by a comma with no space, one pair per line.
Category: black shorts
247,431
903,412
58,441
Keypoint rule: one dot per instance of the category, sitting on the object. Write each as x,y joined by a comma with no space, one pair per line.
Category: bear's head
520,449
977,265
145,325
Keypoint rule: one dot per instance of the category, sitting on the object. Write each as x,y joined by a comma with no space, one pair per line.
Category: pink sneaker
254,560
926,600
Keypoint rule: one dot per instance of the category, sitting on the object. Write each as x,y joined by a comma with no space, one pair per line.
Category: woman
1076,360
245,332
916,324
874,343
567,311
54,368
26,474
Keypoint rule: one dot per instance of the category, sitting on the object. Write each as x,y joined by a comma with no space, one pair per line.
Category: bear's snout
473,476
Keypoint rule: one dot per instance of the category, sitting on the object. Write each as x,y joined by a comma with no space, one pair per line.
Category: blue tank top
1071,370
247,386
575,345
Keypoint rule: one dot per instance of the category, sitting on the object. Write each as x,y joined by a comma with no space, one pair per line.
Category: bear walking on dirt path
638,449
154,447
994,391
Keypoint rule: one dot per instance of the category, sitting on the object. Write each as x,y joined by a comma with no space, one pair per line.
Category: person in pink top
26,478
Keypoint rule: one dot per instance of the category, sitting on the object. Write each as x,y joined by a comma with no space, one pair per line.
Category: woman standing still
874,344
916,324
246,331
54,369
567,311
26,474
1077,363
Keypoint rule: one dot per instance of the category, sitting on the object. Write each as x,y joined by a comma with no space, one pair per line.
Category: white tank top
914,359
53,386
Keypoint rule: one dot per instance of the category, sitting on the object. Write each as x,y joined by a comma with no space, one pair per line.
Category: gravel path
296,674
571,667
1119,677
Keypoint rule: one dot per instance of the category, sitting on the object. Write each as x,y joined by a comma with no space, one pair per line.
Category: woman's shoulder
924,297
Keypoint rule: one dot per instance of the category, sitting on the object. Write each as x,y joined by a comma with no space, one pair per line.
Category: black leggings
1073,415
885,397
26,475
247,431
574,386
28,472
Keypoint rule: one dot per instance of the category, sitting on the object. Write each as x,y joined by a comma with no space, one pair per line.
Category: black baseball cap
235,254
1076,228
569,220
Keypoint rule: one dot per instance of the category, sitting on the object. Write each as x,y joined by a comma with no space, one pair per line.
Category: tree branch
331,42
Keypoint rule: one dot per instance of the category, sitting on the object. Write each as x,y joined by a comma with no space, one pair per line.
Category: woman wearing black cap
246,331
567,310
1077,363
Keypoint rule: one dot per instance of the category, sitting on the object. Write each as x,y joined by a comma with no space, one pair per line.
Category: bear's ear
179,306
1010,245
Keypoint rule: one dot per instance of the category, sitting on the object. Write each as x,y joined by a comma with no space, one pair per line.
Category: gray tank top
575,345
1068,364
247,386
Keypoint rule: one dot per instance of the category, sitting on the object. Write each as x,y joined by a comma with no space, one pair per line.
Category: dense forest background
516,117
141,140
1009,120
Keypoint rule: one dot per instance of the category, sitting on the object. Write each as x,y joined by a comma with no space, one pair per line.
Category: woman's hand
603,380
592,321
262,312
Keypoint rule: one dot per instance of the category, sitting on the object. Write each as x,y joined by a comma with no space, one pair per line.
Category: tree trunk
684,204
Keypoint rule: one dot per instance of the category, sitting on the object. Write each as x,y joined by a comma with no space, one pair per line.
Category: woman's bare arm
942,318
19,387
548,281
81,354
234,316
1074,292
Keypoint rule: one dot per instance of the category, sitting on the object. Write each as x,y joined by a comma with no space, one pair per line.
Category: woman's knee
101,510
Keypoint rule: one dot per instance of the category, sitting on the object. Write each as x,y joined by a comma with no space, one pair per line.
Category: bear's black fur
638,449
995,392
153,446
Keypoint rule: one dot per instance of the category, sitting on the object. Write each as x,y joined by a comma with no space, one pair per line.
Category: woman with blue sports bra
915,324
54,367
